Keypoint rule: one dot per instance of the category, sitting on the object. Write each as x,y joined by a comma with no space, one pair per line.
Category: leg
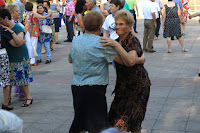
48,51
169,44
159,24
135,24
145,37
157,28
151,34
25,89
183,28
43,49
56,22
70,29
180,39
51,45
39,48
6,92
60,19
28,99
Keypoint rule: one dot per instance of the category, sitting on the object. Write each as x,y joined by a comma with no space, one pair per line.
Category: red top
186,6
2,2
34,20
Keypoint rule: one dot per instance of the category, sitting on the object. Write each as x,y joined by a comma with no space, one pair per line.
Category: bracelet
12,32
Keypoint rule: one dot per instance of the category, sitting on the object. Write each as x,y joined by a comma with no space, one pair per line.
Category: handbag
46,29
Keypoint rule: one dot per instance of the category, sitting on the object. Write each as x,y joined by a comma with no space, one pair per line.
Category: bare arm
80,21
106,33
36,15
58,5
154,19
179,13
136,7
104,12
194,15
128,59
163,17
16,41
70,18
69,59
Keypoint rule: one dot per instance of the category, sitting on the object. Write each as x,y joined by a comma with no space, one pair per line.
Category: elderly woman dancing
90,66
133,84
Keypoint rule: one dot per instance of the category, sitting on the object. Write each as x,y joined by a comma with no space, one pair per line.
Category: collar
15,21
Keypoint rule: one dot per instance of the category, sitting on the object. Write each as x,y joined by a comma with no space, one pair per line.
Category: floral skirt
4,70
20,73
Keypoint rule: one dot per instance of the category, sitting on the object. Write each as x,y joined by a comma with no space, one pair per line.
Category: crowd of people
99,35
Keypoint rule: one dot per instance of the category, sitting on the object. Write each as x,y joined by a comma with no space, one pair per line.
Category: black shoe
48,61
38,61
136,31
57,42
144,50
152,51
5,107
68,40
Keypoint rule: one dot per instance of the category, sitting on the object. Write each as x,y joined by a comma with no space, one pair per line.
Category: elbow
131,63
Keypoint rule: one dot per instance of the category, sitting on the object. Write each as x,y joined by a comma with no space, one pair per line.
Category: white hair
111,130
9,122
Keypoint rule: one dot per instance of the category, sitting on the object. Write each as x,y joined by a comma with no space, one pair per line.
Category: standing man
21,4
158,21
179,2
55,8
91,5
132,6
69,12
149,26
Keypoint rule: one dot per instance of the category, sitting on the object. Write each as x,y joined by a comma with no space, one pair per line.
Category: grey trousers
149,32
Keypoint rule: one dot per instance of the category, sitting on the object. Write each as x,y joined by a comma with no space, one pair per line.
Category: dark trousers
158,26
90,108
134,16
60,19
69,28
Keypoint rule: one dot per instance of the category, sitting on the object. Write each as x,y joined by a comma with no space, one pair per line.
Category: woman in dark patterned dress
171,24
133,84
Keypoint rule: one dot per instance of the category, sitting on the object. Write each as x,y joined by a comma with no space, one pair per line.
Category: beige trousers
149,32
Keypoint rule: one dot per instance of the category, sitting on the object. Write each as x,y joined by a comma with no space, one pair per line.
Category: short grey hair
95,2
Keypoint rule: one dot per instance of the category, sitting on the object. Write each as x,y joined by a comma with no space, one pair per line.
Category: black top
5,37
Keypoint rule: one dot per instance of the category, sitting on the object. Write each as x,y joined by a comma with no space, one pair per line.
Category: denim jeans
134,16
69,28
47,47
60,19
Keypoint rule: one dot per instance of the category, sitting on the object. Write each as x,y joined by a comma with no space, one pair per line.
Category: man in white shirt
149,26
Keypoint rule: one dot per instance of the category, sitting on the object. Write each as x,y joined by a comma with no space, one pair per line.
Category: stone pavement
174,103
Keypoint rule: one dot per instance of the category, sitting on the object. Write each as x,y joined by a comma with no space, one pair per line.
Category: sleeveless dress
172,22
132,91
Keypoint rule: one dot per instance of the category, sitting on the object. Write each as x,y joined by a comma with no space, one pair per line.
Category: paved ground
174,104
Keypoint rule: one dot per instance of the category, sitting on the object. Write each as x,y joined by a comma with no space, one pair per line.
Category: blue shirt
44,37
179,2
90,60
96,9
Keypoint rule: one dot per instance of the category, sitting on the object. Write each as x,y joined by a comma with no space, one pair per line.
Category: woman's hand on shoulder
109,42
